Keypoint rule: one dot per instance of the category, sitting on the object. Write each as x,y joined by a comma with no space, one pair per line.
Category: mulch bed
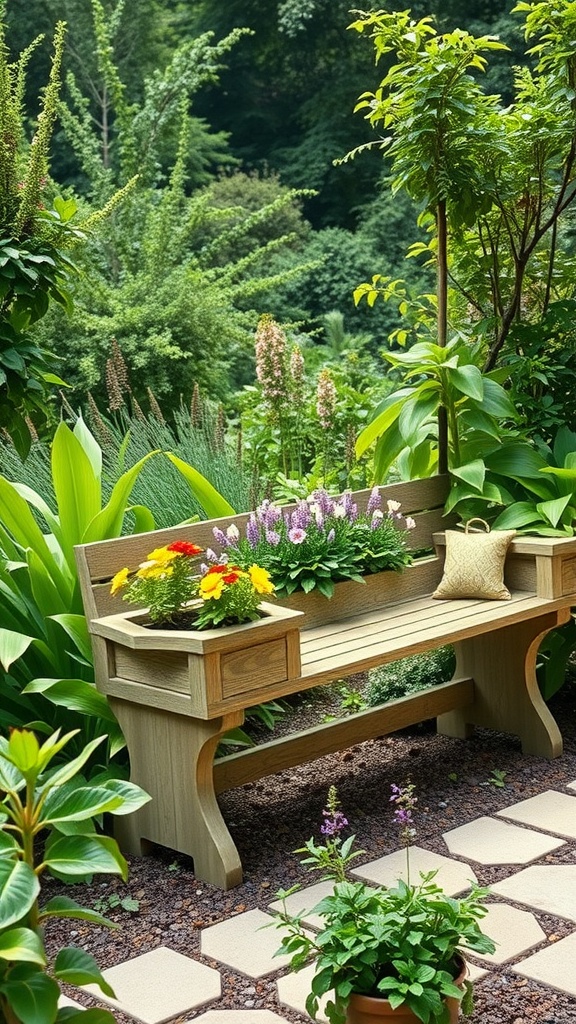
271,818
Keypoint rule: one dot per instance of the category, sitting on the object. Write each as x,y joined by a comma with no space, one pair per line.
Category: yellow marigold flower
119,580
162,556
261,580
153,571
211,586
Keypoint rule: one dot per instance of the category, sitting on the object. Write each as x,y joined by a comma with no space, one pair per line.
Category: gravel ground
271,818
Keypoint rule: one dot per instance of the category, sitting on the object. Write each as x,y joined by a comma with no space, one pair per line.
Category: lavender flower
301,516
322,499
220,537
273,538
233,533
374,501
403,797
334,823
212,556
252,531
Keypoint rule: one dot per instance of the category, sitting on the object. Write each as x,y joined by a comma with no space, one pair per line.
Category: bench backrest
99,562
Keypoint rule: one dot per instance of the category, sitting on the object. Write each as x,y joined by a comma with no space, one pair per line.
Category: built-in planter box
215,669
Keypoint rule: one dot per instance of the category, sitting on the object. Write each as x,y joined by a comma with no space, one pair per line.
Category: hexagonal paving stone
553,966
304,899
159,985
244,943
293,990
64,1001
551,888
453,876
514,931
571,785
489,841
240,1017
550,811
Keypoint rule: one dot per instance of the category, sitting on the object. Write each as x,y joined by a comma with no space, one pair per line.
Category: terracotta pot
371,1010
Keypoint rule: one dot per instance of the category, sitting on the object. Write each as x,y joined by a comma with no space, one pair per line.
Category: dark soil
271,818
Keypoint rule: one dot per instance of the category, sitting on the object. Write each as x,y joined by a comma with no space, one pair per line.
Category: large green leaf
516,460
468,380
108,522
386,415
22,944
32,995
69,770
75,694
78,856
472,473
48,597
77,967
17,519
62,906
19,888
552,510
77,489
417,411
12,646
90,446
77,629
133,796
521,513
496,401
69,1015
78,803
213,503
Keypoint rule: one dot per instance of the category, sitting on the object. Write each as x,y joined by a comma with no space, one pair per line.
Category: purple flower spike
334,823
374,501
252,531
301,516
273,538
221,537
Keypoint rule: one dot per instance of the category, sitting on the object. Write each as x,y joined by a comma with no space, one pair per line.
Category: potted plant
39,797
217,636
384,954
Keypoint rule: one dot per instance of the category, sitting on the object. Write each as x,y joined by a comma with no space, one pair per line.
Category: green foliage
497,778
537,486
401,943
404,425
410,674
37,798
46,672
554,655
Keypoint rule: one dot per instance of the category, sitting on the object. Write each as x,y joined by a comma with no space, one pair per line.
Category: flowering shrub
401,944
177,595
323,540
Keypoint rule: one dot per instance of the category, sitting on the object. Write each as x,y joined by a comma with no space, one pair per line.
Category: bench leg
171,757
502,664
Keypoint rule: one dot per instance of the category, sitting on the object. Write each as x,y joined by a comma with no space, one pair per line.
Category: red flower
218,568
183,547
232,577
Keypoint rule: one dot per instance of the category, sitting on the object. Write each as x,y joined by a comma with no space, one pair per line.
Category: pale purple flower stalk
211,555
403,797
271,360
326,399
374,501
301,517
273,538
221,537
321,498
252,531
334,822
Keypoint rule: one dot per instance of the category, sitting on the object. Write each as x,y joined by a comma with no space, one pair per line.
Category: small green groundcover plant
40,797
401,944
319,542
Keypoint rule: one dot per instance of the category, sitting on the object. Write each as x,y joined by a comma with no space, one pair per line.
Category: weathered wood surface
174,720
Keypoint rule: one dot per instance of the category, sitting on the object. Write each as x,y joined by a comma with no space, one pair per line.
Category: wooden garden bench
172,731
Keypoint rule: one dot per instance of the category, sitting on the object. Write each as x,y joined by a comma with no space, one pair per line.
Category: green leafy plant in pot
383,953
38,797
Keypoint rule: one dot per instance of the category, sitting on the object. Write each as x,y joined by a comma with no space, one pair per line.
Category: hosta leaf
12,646
19,888
22,944
62,906
78,803
78,856
32,995
75,694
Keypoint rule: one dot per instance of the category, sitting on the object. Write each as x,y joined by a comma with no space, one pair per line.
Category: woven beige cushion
474,565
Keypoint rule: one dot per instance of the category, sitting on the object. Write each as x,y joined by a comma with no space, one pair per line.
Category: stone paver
159,985
514,931
553,966
304,899
489,841
551,888
571,785
475,973
240,1017
294,988
64,1001
550,811
244,943
453,876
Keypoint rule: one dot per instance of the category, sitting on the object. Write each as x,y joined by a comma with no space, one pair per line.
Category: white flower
233,533
315,508
377,514
393,506
339,512
410,523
